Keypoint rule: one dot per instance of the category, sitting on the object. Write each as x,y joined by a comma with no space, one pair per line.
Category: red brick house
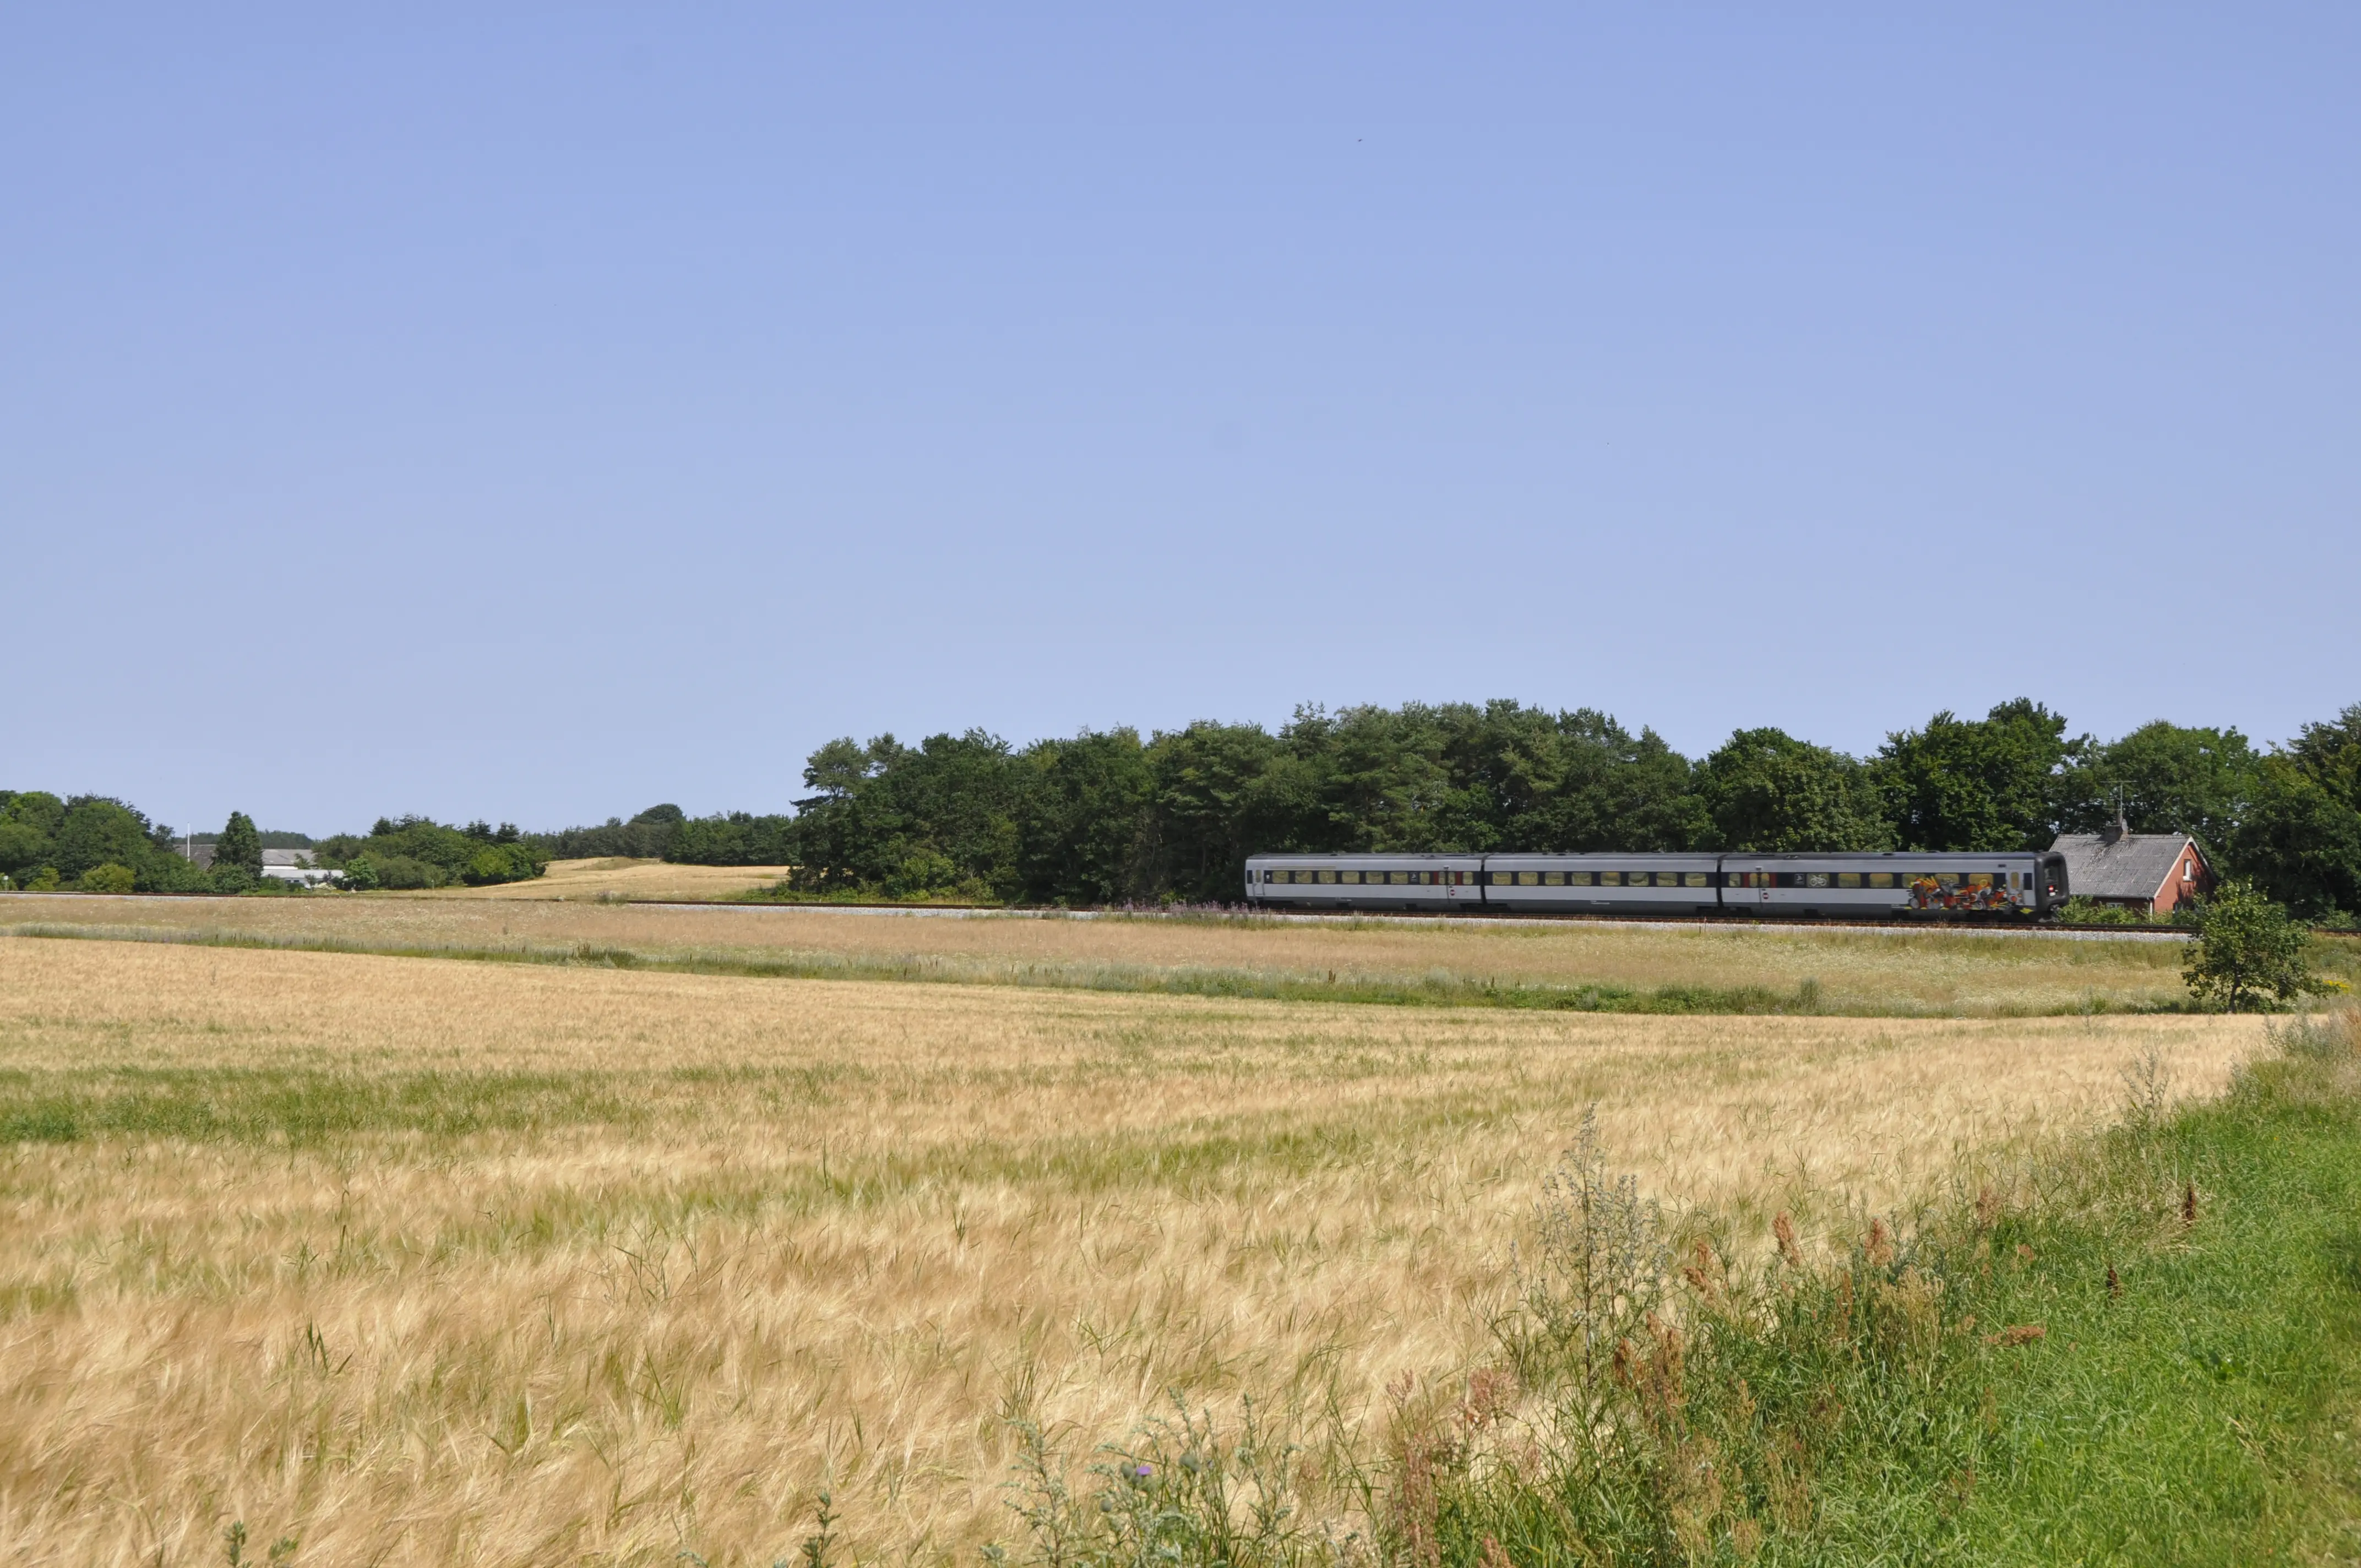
2152,871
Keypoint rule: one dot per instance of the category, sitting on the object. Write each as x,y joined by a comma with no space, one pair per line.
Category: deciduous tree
239,848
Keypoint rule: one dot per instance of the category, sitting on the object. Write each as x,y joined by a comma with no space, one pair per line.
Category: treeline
47,842
1108,818
1111,817
420,852
98,844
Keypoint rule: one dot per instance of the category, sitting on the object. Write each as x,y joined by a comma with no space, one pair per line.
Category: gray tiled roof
2134,866
286,857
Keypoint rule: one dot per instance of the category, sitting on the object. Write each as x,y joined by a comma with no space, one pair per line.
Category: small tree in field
2247,956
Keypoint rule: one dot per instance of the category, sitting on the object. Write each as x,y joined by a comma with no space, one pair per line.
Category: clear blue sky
538,412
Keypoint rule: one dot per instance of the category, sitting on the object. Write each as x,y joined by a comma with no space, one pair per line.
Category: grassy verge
2150,1351
1437,990
2144,1350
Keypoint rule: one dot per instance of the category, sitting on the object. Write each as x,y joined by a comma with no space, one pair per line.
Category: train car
1901,884
1387,883
1601,885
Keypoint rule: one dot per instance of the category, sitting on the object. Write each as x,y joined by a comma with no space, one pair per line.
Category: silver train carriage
1901,883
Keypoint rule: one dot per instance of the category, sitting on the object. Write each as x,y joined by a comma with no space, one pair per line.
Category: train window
1502,879
1327,876
1979,879
1552,879
1399,878
1738,878
1693,879
1529,879
1611,879
1348,876
1284,876
1848,879
1580,878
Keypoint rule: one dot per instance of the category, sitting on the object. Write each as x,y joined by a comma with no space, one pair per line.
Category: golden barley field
1932,973
415,1260
618,877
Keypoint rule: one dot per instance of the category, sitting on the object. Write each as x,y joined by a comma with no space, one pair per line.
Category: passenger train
1903,883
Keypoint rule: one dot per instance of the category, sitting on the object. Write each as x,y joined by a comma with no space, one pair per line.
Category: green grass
299,1107
2147,1353
2198,1405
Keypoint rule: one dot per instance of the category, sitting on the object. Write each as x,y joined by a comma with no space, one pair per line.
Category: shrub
403,872
111,877
2091,912
41,879
502,862
2247,956
925,873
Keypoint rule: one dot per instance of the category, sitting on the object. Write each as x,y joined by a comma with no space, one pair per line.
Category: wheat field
1931,973
424,1261
619,877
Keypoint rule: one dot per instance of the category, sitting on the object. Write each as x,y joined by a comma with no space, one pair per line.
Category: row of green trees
1109,817
419,852
98,844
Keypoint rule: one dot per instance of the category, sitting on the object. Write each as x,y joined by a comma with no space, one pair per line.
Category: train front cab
2051,883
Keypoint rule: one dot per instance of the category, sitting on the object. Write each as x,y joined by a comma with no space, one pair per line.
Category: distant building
295,865
2156,872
